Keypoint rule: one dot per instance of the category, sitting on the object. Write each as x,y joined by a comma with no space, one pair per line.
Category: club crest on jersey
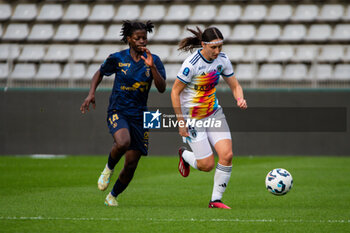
192,131
219,68
147,72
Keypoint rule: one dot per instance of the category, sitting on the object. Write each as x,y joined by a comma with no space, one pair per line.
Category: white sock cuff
223,168
189,157
108,168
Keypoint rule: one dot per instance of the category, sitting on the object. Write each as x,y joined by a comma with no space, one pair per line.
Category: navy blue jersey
132,82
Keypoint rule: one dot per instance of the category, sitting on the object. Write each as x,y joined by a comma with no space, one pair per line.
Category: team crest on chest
148,72
219,68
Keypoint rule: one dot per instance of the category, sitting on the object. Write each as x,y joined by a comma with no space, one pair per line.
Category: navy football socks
111,162
118,188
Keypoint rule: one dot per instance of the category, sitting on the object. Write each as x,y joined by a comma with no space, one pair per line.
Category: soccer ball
279,181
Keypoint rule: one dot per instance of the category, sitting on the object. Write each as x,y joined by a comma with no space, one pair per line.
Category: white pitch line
47,156
180,220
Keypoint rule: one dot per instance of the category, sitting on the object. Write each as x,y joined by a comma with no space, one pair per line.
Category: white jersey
198,99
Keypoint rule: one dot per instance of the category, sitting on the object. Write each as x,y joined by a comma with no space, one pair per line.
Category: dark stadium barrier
48,121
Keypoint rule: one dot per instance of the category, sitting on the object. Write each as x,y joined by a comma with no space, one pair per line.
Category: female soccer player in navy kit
194,98
135,69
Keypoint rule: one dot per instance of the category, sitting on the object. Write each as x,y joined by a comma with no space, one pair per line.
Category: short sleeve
228,69
186,73
109,66
160,66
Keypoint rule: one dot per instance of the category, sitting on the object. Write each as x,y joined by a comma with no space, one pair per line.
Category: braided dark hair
209,34
129,27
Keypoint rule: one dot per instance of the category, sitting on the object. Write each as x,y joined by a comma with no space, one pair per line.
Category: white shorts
212,129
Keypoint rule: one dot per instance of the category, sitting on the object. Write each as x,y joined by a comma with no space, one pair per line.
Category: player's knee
226,159
122,145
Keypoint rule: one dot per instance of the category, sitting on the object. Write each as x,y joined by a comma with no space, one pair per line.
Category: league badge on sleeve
186,71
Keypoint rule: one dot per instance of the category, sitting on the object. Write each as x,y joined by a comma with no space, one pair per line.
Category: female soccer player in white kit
194,98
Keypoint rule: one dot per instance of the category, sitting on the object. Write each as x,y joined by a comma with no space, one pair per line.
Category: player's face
212,50
138,40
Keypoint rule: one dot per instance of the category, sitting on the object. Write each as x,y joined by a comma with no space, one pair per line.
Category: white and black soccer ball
279,181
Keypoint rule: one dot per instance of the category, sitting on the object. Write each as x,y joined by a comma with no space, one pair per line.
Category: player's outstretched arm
237,91
96,79
159,81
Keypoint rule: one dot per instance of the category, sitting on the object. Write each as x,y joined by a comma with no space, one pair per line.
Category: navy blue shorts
138,135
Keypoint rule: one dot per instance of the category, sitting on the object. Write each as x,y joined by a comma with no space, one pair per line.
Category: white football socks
189,157
221,179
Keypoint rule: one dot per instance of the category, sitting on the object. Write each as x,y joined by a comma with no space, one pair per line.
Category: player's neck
135,55
205,55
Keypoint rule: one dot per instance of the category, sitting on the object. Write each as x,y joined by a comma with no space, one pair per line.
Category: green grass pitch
61,195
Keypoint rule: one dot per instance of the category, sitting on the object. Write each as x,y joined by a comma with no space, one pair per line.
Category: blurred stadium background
285,53
271,43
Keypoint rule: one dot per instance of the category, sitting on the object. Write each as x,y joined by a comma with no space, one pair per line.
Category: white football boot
110,200
104,179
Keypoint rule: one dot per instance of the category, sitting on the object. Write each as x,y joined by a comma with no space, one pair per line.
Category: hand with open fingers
149,59
86,103
242,103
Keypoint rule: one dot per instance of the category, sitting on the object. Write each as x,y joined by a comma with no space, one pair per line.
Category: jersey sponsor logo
120,64
127,65
204,87
201,68
142,86
186,71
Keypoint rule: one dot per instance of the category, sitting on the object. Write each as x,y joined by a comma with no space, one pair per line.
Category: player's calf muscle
206,164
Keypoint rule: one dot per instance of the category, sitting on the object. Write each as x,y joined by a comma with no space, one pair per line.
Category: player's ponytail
191,42
129,27
126,30
209,34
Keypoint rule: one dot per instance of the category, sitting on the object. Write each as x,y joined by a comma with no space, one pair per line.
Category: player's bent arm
159,81
178,87
237,90
96,80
